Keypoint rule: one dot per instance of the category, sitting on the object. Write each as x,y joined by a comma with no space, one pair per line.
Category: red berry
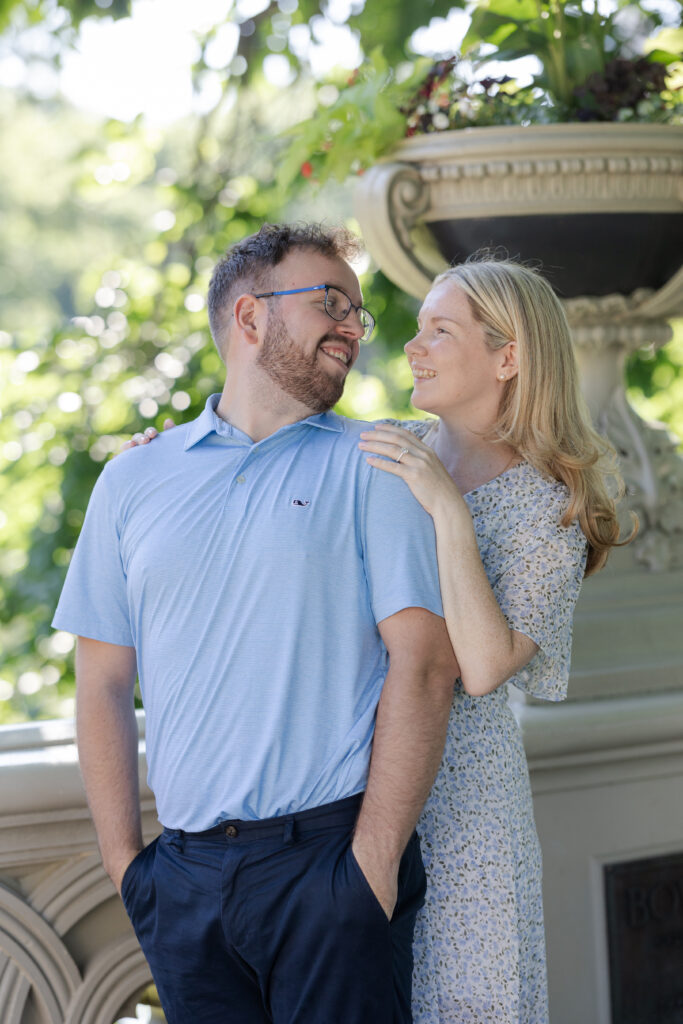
307,169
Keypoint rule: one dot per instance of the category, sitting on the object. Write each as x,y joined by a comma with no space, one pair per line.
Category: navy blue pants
273,921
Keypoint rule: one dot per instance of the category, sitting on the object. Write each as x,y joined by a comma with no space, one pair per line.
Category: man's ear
248,317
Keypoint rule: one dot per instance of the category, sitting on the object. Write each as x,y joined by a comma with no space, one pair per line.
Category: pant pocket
363,884
412,879
136,882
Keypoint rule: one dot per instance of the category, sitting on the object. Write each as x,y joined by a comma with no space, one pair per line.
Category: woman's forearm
488,651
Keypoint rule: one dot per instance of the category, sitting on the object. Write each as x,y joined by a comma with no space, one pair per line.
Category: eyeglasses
337,305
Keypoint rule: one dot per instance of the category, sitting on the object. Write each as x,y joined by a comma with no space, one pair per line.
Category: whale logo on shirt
301,502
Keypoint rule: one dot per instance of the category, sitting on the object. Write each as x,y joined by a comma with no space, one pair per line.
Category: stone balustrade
67,952
606,779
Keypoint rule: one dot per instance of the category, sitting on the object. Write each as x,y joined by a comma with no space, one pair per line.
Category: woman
510,474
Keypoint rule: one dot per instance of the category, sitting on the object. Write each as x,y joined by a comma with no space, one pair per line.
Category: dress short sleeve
535,567
537,595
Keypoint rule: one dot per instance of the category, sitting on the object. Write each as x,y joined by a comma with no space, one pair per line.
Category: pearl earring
501,376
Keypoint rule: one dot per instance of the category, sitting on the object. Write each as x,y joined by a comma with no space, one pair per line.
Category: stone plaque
645,935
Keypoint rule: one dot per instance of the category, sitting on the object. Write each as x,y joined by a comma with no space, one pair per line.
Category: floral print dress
479,942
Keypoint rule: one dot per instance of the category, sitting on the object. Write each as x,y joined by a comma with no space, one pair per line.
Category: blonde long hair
542,414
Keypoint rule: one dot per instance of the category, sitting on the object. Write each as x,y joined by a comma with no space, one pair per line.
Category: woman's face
456,375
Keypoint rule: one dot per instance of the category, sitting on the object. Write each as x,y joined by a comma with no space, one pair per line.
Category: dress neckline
498,476
432,429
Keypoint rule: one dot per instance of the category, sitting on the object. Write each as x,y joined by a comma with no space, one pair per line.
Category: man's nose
352,324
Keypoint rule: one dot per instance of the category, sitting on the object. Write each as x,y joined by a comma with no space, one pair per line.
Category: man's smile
335,350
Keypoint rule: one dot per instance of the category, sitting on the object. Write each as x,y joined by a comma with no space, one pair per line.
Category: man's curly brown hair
247,265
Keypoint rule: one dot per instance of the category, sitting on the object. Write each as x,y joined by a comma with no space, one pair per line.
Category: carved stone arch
37,953
14,990
117,973
72,891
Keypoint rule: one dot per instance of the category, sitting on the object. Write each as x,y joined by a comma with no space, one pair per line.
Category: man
264,582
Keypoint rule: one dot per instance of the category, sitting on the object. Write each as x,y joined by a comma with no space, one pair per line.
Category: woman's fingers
392,449
394,435
388,465
135,441
388,430
144,437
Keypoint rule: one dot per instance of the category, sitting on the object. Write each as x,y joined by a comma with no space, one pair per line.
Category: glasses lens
368,322
337,304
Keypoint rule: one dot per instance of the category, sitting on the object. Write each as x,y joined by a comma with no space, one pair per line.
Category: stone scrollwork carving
470,183
590,309
605,331
68,954
408,201
392,206
34,953
14,990
37,970
36,967
119,967
653,476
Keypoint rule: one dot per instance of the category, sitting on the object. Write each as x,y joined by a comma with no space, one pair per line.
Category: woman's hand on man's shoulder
145,436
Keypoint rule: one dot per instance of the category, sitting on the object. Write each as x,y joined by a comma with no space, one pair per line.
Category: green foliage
110,233
388,24
656,383
571,40
34,11
625,88
121,340
104,330
587,72
365,119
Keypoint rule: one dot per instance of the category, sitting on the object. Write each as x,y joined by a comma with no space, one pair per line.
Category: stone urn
598,208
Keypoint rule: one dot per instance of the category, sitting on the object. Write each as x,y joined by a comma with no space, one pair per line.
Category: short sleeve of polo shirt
399,548
93,601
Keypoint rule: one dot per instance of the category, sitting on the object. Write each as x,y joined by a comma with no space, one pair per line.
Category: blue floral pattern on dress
479,942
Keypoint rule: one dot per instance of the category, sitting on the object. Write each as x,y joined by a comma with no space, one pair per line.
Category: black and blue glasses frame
366,318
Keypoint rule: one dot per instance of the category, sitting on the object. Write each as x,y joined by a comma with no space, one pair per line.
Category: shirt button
231,832
241,479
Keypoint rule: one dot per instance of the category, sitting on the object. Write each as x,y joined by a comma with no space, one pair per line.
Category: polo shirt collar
209,422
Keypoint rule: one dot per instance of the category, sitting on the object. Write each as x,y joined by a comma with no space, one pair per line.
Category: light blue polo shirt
250,578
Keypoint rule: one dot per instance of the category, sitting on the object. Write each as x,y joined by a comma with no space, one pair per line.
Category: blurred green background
110,228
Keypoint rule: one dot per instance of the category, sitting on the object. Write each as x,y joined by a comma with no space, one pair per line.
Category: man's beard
299,375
